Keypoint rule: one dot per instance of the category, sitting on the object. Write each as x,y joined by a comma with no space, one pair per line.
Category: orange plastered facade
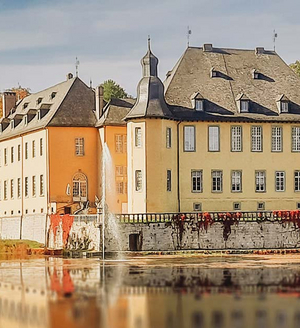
64,163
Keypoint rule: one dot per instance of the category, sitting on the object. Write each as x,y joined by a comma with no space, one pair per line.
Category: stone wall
188,236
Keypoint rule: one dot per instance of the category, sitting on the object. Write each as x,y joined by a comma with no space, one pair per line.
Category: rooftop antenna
189,32
149,42
91,83
275,35
77,66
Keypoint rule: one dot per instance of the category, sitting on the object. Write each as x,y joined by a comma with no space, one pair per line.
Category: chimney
9,100
207,47
69,76
99,101
259,50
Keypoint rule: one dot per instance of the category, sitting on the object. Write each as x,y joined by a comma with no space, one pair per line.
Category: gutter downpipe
178,161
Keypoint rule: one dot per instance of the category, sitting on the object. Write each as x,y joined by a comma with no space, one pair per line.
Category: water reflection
196,292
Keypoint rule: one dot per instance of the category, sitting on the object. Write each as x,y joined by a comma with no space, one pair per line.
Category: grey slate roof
72,105
115,111
235,68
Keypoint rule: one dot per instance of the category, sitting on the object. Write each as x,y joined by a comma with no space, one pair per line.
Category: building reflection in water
55,292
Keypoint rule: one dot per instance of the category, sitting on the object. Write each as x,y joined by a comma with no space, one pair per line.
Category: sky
40,39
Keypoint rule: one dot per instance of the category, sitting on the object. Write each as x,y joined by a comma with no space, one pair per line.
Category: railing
85,218
198,216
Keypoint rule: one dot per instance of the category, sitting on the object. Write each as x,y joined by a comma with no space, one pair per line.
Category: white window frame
26,187
168,137
169,180
33,186
42,185
79,146
138,180
138,137
189,138
236,181
199,105
295,138
5,190
236,138
12,154
197,181
214,138
41,147
276,139
256,138
284,106
12,188
216,181
244,106
33,149
296,181
280,181
260,181
80,187
19,188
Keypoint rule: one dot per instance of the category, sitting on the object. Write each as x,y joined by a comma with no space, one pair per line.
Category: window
276,138
217,181
53,94
26,150
25,120
41,185
297,180
260,181
236,138
298,206
79,146
168,137
189,138
199,105
119,143
213,138
120,187
197,181
280,181
5,189
34,186
12,154
119,171
19,188
284,107
296,138
237,206
41,147
12,124
5,156
256,138
79,187
19,153
33,148
244,106
261,205
169,180
197,207
39,100
12,189
138,180
236,181
138,137
26,186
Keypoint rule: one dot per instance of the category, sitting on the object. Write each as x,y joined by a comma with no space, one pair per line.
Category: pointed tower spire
149,62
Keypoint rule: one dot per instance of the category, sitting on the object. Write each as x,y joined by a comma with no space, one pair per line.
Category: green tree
113,90
296,67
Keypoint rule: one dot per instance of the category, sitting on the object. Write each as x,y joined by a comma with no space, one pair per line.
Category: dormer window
255,74
244,106
12,124
243,103
25,105
213,73
39,100
283,104
53,94
25,120
39,115
284,107
199,104
197,101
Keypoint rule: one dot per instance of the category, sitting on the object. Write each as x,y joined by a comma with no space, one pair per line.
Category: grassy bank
18,246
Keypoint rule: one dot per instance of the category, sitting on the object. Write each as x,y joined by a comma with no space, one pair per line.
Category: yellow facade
158,159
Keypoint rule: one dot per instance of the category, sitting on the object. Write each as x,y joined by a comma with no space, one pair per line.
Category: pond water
158,291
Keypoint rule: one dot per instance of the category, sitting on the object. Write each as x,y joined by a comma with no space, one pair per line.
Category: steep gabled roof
70,103
192,74
115,111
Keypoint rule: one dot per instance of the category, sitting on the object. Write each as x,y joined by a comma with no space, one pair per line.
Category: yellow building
222,133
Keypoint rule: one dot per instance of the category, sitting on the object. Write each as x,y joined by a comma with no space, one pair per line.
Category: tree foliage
113,90
296,67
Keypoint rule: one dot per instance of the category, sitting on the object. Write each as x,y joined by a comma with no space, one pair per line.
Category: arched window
79,187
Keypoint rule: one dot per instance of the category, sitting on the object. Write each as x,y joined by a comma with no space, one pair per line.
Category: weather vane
189,32
275,35
77,66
